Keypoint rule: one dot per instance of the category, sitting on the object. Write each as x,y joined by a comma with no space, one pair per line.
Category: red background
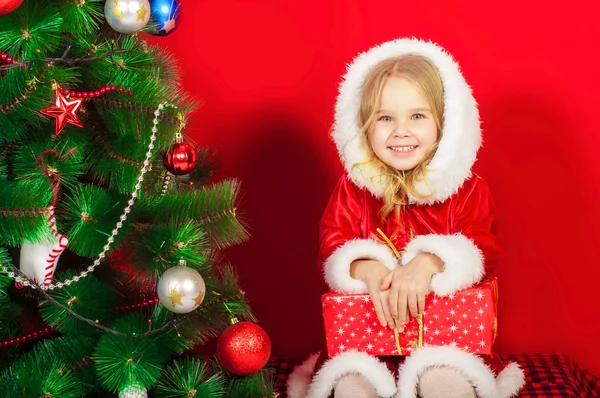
267,72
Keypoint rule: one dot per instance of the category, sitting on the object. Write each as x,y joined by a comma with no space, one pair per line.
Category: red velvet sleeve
474,215
341,219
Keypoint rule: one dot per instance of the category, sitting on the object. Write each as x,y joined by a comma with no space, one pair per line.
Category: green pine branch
24,213
89,298
121,361
91,213
190,378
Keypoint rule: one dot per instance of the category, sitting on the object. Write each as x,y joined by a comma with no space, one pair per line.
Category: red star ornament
63,112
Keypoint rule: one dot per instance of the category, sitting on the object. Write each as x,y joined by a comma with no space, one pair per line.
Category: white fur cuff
463,261
337,266
507,384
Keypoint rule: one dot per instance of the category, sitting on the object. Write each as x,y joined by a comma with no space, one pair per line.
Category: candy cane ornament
38,260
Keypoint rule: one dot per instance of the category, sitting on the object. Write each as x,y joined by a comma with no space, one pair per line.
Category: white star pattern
463,320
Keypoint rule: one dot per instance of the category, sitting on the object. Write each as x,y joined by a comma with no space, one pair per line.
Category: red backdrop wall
267,72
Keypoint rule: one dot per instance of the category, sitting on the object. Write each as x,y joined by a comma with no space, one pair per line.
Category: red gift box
466,319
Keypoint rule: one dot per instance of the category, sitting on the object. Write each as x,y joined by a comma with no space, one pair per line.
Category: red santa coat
452,218
459,230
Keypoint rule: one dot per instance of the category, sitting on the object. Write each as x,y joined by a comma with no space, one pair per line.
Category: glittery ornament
244,348
7,6
180,159
127,16
181,289
133,391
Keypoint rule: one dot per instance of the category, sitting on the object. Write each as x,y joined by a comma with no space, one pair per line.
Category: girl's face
404,130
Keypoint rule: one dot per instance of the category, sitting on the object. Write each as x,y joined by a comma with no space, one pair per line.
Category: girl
407,130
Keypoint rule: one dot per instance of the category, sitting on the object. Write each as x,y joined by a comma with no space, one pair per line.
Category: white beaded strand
166,182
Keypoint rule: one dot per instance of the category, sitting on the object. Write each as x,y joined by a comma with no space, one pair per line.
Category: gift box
466,319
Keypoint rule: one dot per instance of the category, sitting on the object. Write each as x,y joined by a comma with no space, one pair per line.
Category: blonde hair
425,77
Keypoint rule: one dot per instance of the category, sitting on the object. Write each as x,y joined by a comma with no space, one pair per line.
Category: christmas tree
111,223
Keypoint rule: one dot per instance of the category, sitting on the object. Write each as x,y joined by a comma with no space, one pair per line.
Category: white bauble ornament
181,289
127,16
133,391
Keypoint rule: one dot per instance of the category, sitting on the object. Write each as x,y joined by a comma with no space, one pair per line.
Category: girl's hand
408,286
372,272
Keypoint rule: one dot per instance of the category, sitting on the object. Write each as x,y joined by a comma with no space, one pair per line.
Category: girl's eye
418,116
385,118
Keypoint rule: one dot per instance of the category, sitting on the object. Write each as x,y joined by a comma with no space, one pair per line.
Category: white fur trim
352,362
461,139
337,266
463,261
508,383
299,380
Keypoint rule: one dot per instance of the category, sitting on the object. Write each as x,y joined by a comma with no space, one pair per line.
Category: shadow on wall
285,186
543,176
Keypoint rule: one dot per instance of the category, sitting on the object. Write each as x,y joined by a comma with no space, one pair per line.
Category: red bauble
244,348
180,159
7,6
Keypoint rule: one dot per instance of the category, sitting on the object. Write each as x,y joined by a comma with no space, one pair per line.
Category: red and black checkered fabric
546,376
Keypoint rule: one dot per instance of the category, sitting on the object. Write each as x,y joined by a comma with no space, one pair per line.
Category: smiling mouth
402,148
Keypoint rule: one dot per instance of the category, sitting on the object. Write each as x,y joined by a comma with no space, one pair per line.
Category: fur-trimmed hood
461,137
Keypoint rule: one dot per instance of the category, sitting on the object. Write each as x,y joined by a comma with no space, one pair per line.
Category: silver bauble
181,289
127,16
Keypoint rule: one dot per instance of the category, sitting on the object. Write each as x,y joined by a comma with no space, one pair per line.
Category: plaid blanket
546,376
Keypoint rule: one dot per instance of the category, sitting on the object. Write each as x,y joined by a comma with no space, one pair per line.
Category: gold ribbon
419,342
389,242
